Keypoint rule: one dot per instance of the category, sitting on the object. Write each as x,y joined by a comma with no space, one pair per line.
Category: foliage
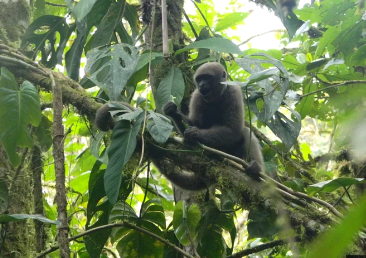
319,81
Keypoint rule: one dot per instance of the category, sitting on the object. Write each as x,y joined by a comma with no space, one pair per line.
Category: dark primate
216,116
216,119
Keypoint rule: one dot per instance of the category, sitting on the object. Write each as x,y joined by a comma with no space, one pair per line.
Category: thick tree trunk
18,239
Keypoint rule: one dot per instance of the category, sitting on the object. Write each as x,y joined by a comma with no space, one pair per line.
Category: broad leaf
73,56
172,85
82,8
160,128
130,243
286,129
99,210
230,20
43,34
107,26
332,185
184,220
120,151
348,228
15,217
111,67
222,45
43,134
18,108
262,224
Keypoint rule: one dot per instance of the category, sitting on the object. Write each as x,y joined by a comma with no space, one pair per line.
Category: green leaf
82,8
231,20
97,211
358,58
95,143
4,197
107,26
160,128
15,217
18,108
153,212
183,219
305,106
286,129
330,244
261,224
120,151
222,45
111,67
326,39
171,85
131,243
43,134
332,185
256,77
212,243
43,33
73,56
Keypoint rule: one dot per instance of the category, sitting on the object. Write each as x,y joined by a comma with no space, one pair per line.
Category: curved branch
123,224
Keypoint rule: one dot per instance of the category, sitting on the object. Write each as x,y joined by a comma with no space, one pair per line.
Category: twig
260,34
334,86
123,224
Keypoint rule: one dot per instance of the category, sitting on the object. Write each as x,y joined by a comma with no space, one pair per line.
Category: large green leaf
4,218
262,224
184,220
212,243
120,151
332,185
285,128
107,26
160,127
73,56
43,134
222,45
230,20
111,67
172,85
334,243
43,34
99,210
18,108
131,243
82,8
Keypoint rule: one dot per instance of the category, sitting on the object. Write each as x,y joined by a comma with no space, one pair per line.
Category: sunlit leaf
332,185
222,45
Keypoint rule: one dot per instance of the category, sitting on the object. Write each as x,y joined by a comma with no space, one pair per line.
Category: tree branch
123,224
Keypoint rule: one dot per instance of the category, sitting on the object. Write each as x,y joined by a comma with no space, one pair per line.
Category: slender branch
259,248
123,224
164,18
260,34
190,24
58,5
264,176
204,18
59,157
334,86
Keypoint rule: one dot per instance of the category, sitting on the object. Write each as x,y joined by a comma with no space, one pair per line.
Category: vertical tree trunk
18,239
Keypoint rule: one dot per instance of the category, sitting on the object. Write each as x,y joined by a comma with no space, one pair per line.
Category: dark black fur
216,116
